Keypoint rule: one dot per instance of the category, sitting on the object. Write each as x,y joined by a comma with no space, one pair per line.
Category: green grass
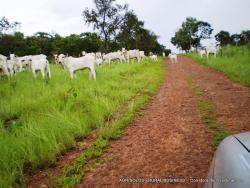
74,173
233,61
208,115
48,115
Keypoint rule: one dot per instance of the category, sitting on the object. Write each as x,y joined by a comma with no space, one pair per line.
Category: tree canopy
191,33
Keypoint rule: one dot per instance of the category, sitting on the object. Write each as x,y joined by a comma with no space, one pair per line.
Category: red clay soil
232,100
167,139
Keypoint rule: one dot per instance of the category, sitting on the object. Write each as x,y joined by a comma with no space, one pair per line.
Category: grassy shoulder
233,61
40,119
208,115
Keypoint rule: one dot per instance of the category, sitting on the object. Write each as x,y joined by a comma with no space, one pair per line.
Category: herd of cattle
40,63
208,50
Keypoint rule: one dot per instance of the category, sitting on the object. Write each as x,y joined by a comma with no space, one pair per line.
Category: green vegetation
39,119
233,61
208,114
74,173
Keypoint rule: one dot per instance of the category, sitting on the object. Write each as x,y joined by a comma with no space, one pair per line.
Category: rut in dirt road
167,139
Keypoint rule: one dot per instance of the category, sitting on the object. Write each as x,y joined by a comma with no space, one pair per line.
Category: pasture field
39,119
233,61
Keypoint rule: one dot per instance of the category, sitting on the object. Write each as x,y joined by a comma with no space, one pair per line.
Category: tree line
115,27
193,31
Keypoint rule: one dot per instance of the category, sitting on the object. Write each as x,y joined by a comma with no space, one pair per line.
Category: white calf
40,63
173,58
75,64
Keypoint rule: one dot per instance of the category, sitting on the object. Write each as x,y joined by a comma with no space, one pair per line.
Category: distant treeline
131,34
45,43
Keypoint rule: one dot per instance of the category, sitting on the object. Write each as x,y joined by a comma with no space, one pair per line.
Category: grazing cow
39,63
75,64
173,58
132,54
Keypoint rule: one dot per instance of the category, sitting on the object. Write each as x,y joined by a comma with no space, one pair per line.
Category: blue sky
163,17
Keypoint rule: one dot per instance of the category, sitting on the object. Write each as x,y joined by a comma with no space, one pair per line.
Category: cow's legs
71,74
93,73
34,73
43,73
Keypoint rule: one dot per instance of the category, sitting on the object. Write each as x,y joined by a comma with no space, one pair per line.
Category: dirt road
167,140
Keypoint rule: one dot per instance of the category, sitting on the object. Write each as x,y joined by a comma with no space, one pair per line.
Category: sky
163,17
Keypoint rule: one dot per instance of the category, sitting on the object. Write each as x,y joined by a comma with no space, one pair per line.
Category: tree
191,33
106,17
236,38
223,37
130,31
245,36
5,25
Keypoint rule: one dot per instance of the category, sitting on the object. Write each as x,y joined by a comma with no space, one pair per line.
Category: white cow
20,63
163,54
39,63
142,54
60,58
10,67
108,58
83,53
2,57
212,50
7,66
74,64
202,53
3,66
173,58
56,57
99,59
133,54
154,57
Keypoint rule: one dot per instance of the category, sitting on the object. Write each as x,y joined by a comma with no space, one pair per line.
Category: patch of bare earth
232,100
167,139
